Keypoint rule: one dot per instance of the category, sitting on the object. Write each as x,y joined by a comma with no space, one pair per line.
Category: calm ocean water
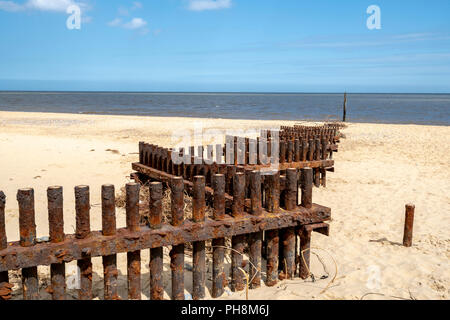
379,108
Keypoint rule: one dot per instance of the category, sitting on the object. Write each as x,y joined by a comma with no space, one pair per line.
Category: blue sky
226,45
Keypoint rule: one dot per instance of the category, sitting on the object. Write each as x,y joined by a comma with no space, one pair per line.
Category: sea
426,109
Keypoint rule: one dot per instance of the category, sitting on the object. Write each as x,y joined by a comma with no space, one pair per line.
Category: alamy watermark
374,20
242,146
74,20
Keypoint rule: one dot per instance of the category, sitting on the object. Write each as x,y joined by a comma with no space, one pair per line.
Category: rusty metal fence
271,215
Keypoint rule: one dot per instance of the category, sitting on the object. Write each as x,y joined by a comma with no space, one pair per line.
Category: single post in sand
409,222
344,116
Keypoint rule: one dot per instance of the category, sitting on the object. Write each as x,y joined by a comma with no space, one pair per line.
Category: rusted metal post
297,148
282,151
133,258
83,230
324,149
231,171
272,237
288,234
177,252
255,239
409,222
324,177
198,257
291,194
273,192
304,149
5,287
304,258
238,194
311,150
317,157
218,244
290,151
255,192
56,226
306,187
109,229
27,226
317,151
237,242
344,115
156,254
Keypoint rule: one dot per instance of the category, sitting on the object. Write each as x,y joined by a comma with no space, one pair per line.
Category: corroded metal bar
282,151
304,150
316,177
177,267
288,234
306,187
83,230
177,252
56,231
132,206
3,239
324,148
238,194
317,149
272,182
409,223
133,257
231,171
255,245
237,276
255,193
27,227
5,288
310,149
166,177
305,244
15,257
237,242
110,272
255,239
297,150
218,278
156,254
323,180
219,196
199,257
290,151
219,243
55,213
288,241
291,189
177,200
272,244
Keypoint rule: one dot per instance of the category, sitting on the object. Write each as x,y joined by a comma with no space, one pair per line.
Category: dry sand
379,168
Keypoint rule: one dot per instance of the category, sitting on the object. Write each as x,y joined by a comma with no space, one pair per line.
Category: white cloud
42,5
115,23
10,6
135,23
202,5
136,5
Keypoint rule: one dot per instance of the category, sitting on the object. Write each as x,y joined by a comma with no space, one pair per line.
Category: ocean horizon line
221,92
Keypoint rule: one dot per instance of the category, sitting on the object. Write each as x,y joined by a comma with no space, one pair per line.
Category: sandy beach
379,168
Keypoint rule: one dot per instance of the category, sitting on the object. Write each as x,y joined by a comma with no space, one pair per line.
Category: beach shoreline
378,169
